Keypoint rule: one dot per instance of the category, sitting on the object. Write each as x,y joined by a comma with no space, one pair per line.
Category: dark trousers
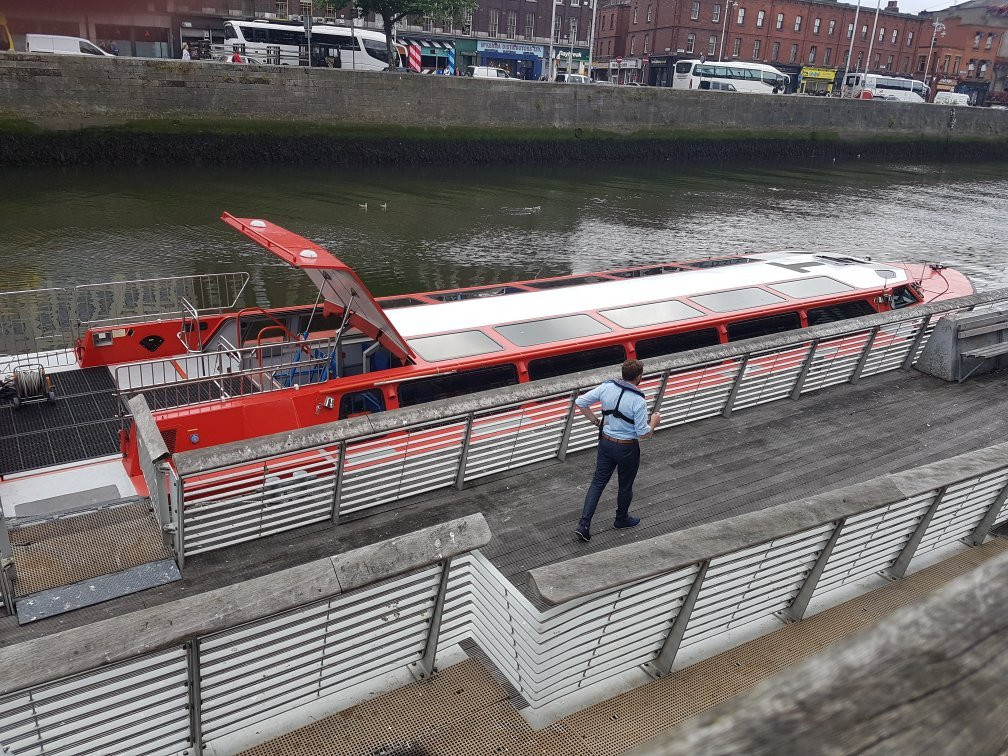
612,456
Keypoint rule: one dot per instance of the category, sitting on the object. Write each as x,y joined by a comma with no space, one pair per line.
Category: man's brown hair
632,370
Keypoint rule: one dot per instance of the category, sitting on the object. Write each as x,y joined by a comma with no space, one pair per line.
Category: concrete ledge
932,678
146,429
575,578
224,455
80,649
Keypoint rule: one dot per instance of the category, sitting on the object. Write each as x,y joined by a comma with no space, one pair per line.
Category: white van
951,98
487,72
573,78
57,45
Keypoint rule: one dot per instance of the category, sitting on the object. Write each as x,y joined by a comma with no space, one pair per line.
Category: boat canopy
340,287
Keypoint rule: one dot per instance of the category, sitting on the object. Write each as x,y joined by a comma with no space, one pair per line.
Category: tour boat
214,375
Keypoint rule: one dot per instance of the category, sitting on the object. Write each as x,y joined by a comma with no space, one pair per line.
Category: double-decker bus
281,42
878,86
729,76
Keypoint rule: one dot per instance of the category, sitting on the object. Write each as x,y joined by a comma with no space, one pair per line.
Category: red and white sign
414,56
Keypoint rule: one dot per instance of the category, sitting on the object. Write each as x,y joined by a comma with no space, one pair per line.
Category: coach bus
877,86
729,76
281,42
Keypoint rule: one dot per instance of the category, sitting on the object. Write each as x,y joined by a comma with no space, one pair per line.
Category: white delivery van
951,98
57,45
487,72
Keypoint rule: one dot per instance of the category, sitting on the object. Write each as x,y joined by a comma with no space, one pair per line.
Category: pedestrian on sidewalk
623,423
185,51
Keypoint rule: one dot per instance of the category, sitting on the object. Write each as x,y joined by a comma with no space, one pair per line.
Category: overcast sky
908,6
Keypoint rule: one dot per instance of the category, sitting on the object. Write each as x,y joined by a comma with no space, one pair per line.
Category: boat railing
324,472
36,327
225,373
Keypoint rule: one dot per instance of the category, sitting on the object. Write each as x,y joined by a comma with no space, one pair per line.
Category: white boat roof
770,268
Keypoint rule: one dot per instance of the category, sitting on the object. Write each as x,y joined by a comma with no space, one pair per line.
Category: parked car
951,98
487,72
238,58
573,78
55,44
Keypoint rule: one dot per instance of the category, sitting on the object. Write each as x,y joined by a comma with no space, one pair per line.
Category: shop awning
429,46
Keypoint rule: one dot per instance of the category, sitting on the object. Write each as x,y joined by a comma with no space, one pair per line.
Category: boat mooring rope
30,382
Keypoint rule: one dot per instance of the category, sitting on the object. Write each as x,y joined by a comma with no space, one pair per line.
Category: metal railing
199,675
36,327
370,462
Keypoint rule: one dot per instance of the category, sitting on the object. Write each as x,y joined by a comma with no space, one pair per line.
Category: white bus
729,76
281,42
868,86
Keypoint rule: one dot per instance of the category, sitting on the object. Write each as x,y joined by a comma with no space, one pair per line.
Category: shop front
660,69
520,61
571,60
816,81
625,70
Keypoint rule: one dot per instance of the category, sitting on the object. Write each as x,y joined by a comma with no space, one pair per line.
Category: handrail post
195,696
338,483
796,609
899,567
424,667
908,362
568,424
662,664
179,523
730,401
162,471
983,527
805,368
464,455
660,394
865,353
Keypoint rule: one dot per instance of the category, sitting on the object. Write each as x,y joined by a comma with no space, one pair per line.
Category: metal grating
504,439
768,377
697,393
834,360
83,546
891,346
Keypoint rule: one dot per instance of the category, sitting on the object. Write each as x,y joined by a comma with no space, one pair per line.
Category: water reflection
464,226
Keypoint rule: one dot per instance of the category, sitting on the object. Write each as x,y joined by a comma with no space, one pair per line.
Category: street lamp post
724,26
871,42
850,49
552,33
939,27
591,39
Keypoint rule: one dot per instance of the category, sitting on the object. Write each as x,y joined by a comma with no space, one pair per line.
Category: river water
451,227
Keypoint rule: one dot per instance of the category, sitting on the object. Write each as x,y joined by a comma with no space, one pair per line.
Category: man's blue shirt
631,405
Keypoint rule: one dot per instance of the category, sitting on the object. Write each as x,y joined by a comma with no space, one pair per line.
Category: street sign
644,60
307,23
619,59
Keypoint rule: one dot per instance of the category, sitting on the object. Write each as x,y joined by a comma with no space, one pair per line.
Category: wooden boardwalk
692,474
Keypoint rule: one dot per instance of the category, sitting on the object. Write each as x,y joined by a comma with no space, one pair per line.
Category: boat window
720,262
451,346
361,402
461,296
638,316
456,384
575,362
389,304
903,297
579,281
641,272
544,331
676,342
842,311
736,299
806,288
748,329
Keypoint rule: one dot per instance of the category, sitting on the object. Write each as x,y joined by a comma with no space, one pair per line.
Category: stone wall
47,100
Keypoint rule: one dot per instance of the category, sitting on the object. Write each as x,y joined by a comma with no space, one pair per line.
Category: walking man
624,421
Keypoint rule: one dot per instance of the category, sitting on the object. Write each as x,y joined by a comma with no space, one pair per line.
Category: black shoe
582,532
628,522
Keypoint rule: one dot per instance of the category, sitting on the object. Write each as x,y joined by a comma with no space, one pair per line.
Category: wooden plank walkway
697,473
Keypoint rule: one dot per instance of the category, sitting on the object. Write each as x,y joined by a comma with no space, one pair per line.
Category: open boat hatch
339,287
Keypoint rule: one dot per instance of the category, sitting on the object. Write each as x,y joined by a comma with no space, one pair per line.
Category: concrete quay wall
79,109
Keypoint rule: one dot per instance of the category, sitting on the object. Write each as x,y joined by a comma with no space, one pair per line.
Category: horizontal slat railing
402,453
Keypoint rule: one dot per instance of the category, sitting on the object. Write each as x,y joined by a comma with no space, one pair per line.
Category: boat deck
693,474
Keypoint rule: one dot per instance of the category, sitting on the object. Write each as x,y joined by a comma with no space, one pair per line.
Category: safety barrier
239,492
204,668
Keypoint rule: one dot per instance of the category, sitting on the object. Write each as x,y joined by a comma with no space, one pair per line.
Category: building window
649,14
797,23
850,31
512,29
690,43
794,53
958,64
878,59
831,28
573,30
920,64
815,25
712,44
945,63
695,12
906,64
759,19
756,49
645,50
895,36
976,40
306,7
427,24
610,48
827,56
776,52
881,34
716,15
556,29
811,55
635,14
736,47
494,26
281,8
864,32
780,21
530,25
888,63
860,58
909,39
990,40
741,16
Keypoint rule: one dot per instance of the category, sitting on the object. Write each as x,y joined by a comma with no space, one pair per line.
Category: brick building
970,53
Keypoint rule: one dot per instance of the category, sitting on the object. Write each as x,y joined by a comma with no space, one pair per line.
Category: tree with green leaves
393,11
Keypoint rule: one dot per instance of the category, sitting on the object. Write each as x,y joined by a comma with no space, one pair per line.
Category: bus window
903,297
676,342
575,362
842,311
747,329
361,403
456,384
